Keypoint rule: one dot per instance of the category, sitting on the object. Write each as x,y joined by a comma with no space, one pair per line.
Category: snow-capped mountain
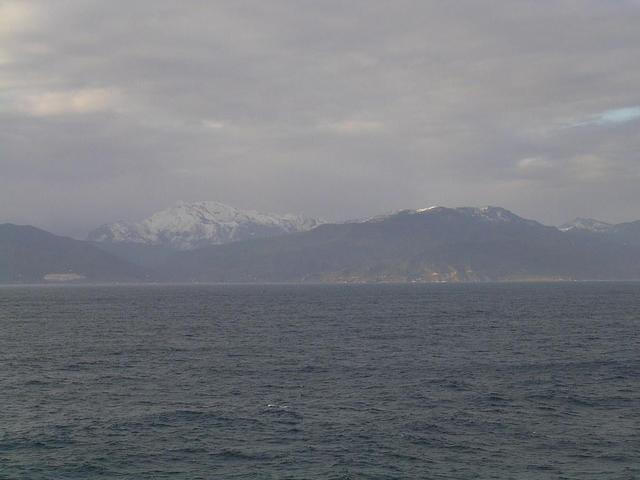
187,226
485,214
588,224
493,214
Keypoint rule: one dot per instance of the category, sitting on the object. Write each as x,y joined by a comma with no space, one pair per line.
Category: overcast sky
111,110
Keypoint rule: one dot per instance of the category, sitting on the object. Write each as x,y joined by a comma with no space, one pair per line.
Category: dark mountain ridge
435,244
32,255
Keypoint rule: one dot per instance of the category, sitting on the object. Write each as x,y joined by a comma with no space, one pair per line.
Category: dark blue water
327,382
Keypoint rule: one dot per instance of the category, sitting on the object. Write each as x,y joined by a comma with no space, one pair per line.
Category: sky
336,109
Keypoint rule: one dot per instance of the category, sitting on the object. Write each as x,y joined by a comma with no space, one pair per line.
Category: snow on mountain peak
494,214
428,209
588,224
488,213
187,226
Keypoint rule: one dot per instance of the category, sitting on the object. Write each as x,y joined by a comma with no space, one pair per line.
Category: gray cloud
337,109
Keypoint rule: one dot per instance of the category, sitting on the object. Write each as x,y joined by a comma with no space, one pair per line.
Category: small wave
283,414
237,454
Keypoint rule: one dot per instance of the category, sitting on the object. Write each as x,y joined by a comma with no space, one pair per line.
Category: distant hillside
28,254
426,245
621,233
140,254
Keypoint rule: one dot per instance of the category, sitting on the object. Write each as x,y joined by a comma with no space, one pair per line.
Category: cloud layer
336,109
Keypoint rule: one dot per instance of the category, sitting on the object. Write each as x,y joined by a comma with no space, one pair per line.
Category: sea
437,381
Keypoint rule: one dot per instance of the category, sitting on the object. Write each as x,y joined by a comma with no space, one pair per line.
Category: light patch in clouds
534,163
4,57
589,167
355,126
582,168
615,116
213,124
75,102
535,168
15,17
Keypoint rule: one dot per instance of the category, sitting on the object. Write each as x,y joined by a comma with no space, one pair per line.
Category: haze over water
518,381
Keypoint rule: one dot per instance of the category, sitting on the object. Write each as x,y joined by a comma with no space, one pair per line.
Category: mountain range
621,233
425,245
187,226
211,242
